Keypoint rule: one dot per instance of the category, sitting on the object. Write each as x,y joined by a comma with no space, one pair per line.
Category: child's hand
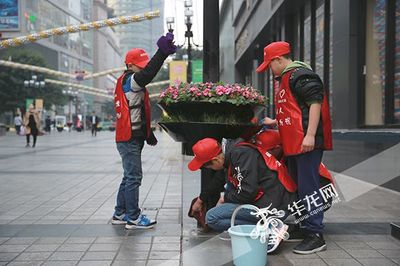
308,143
269,122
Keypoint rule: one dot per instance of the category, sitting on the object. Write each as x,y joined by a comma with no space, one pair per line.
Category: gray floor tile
364,253
342,262
129,263
3,239
66,256
166,247
42,247
167,255
29,256
163,263
8,256
333,254
12,248
384,245
166,239
95,263
80,240
352,245
137,240
21,240
73,247
25,263
136,247
307,262
109,240
60,263
129,255
51,240
104,247
390,253
376,262
100,255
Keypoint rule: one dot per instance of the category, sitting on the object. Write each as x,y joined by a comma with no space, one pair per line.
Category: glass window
375,62
319,39
397,67
307,33
86,8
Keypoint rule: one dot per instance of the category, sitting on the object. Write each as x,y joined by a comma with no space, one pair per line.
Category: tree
12,91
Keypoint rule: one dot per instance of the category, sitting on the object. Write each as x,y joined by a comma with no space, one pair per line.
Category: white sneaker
276,237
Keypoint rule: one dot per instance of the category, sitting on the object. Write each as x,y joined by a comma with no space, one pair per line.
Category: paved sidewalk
56,202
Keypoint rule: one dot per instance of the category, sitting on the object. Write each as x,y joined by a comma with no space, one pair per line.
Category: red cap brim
195,164
262,67
142,64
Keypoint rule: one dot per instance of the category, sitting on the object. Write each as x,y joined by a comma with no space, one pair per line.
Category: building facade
106,55
354,45
143,35
89,51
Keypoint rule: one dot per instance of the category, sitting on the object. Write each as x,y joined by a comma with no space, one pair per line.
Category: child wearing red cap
303,119
250,180
132,106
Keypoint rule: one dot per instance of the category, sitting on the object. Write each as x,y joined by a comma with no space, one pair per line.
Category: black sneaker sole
306,252
294,240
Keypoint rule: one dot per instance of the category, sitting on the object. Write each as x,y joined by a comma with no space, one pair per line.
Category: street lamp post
188,35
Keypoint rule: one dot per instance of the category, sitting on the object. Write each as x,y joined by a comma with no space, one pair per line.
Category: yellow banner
177,72
39,104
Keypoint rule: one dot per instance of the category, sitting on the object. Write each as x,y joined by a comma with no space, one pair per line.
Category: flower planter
202,111
191,132
196,111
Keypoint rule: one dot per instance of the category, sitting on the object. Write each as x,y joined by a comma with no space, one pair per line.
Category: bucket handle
245,206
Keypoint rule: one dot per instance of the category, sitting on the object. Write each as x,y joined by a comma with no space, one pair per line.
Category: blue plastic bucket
246,250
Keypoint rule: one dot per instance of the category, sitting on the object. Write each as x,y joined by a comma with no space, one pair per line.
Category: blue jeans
128,193
304,168
219,217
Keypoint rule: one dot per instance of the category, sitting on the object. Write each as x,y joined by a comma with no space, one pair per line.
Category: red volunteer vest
273,164
289,117
123,126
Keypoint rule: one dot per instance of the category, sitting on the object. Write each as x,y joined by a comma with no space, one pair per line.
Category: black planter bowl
195,111
191,132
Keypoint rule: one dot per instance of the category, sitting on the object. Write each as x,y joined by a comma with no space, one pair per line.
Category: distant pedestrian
47,126
95,121
32,125
18,123
132,106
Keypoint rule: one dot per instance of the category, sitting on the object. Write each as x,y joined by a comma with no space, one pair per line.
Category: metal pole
189,34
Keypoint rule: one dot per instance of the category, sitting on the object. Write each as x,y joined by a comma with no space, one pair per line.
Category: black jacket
308,88
248,165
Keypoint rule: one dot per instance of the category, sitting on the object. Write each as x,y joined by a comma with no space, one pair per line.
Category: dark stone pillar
210,70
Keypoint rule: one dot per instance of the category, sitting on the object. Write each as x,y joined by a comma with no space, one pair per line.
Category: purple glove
166,44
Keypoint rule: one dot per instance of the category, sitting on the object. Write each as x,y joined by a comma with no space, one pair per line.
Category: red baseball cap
272,51
204,151
269,139
137,57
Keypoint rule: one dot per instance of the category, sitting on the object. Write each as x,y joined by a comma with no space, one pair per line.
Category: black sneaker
314,242
296,233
